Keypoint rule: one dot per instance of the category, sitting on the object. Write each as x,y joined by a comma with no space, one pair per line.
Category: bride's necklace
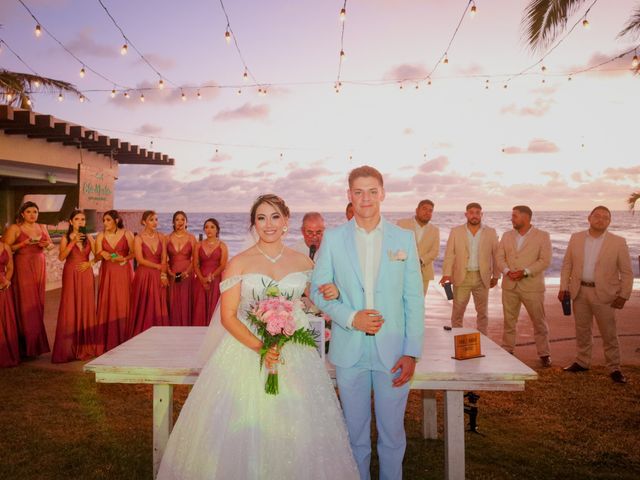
269,257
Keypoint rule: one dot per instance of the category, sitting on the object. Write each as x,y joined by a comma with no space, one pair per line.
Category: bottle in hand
448,290
566,303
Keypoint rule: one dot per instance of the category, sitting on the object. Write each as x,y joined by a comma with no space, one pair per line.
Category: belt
588,284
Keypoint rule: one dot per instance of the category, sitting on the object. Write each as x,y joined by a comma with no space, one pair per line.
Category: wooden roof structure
35,125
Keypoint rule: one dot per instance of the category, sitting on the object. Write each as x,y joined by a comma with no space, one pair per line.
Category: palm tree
16,88
633,198
544,20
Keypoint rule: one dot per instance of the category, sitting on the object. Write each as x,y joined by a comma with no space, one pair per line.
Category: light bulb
417,86
260,91
569,79
446,59
342,55
124,49
199,96
245,75
543,68
239,92
473,10
227,36
585,23
401,86
38,30
429,82
36,84
29,101
82,72
126,95
343,14
81,98
161,84
113,93
60,97
142,97
264,91
184,97
9,97
635,61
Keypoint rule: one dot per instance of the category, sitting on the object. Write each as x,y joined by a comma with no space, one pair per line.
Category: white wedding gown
229,428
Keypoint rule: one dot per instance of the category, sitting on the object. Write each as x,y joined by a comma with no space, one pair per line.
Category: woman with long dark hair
180,248
149,291
27,239
209,262
114,246
77,333
9,351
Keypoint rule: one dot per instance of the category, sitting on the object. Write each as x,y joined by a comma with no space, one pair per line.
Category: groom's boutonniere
398,256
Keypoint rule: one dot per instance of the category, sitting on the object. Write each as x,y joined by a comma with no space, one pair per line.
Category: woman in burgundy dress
180,248
77,333
9,351
209,262
27,240
149,291
114,246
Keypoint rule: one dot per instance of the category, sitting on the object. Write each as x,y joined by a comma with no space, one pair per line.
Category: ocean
234,229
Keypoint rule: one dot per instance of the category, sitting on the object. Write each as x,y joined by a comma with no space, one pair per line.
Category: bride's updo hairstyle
273,200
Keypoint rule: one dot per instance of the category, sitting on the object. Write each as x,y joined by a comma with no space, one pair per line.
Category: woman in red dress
114,246
77,333
27,240
180,248
149,291
9,351
209,262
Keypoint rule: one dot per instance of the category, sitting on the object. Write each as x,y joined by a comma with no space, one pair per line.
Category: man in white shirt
427,238
596,274
377,321
469,263
312,230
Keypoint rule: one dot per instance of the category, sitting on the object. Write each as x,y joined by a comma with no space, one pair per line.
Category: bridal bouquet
278,319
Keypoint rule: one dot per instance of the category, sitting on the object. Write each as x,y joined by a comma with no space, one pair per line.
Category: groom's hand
368,321
406,365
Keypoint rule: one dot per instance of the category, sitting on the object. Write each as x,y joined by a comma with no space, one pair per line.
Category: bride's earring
285,229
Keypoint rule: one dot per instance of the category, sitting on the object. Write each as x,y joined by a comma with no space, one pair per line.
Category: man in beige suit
469,263
427,238
524,253
596,273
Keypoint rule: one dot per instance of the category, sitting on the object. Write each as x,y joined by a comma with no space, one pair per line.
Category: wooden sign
467,346
95,188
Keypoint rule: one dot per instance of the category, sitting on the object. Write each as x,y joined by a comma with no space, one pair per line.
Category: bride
229,428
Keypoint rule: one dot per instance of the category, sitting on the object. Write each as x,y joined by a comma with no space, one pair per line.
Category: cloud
473,69
438,164
158,61
220,157
577,177
537,145
408,131
245,112
149,129
539,108
623,173
407,71
84,44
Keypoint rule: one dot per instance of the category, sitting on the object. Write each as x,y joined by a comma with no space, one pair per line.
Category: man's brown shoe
575,367
618,377
545,361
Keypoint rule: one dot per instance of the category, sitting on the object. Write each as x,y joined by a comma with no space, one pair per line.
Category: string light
239,92
124,50
9,96
82,72
60,97
245,75
343,14
184,97
81,98
543,68
635,61
198,95
161,84
585,23
445,60
342,55
142,97
473,10
227,35
29,101
36,84
113,93
126,95
38,31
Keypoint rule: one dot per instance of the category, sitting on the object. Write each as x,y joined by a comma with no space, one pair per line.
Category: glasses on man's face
313,233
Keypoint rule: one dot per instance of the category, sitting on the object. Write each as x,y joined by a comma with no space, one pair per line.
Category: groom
378,321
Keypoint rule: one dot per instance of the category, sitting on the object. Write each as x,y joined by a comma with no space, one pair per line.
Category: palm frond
21,85
544,20
633,25
633,198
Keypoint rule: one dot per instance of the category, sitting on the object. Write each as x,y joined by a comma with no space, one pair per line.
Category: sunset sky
557,145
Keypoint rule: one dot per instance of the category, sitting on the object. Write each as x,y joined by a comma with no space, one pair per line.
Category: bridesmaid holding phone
77,333
27,240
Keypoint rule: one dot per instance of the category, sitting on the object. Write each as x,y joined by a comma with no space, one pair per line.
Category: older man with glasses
312,230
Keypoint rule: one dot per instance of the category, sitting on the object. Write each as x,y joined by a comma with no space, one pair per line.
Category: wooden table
167,356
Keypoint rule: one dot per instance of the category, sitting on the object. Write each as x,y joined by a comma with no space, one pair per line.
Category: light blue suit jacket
398,294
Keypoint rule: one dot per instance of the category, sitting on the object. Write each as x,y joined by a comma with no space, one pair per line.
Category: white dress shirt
592,246
369,246
419,229
473,244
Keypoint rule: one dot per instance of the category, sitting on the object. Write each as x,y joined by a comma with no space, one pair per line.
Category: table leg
162,422
430,415
454,435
